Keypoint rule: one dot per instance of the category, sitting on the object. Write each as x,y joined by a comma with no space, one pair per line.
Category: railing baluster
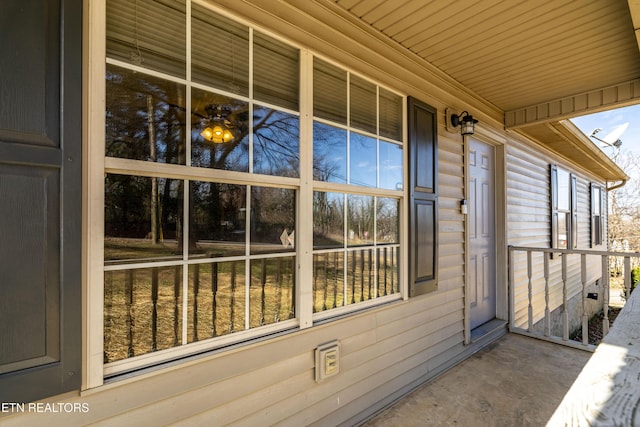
154,309
214,296
585,315
393,270
177,303
565,311
232,303
385,270
196,290
335,277
279,282
263,284
315,282
326,281
529,293
129,303
547,314
605,285
627,275
370,272
361,253
353,277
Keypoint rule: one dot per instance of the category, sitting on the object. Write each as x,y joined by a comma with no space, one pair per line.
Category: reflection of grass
362,268
124,248
216,302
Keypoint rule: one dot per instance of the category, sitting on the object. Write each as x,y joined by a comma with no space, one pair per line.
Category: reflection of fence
147,309
352,276
535,280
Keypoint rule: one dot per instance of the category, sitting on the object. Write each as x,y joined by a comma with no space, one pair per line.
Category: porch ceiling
537,61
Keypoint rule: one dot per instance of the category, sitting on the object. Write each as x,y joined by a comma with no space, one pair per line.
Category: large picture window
204,141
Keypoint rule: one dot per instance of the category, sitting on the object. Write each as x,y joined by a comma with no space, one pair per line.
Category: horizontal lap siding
383,350
528,223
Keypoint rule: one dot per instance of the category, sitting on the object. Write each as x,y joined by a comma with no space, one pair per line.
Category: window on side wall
564,217
598,215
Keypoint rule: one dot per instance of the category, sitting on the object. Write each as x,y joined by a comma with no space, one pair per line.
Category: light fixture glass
465,121
218,130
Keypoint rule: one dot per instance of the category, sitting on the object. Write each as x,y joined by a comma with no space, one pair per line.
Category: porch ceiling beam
620,95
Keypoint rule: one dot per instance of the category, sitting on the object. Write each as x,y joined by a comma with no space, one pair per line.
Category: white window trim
96,165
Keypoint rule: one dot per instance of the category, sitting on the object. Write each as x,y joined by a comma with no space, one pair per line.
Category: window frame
97,164
570,212
598,221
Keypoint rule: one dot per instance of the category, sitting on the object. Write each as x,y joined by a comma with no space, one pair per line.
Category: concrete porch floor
515,381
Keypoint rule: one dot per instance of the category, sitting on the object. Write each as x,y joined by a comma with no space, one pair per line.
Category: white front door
482,231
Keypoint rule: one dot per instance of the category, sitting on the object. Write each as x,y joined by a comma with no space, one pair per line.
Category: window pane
563,231
217,220
362,163
219,132
328,281
142,311
329,92
390,166
275,72
273,220
360,220
387,220
276,143
564,199
329,153
148,33
387,270
143,218
597,200
328,220
219,51
363,105
145,117
390,115
360,276
216,300
271,296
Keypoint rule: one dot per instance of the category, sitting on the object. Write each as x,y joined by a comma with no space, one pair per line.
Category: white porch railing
558,277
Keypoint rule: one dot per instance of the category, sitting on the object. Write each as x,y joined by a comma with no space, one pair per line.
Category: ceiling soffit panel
518,54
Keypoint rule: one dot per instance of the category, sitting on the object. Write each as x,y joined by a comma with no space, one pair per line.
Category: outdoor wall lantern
219,129
465,121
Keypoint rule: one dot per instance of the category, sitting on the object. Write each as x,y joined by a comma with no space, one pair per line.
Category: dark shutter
40,198
423,184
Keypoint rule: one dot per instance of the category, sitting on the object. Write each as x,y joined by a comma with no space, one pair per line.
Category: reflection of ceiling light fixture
219,129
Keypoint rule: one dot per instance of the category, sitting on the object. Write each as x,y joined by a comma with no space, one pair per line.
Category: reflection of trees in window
145,117
276,137
328,220
329,153
387,220
272,213
360,219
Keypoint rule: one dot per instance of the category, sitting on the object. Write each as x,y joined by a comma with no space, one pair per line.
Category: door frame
487,136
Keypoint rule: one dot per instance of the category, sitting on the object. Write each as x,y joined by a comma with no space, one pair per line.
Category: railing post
605,285
547,314
585,315
512,288
627,275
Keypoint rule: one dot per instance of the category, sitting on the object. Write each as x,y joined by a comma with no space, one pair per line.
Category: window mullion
305,195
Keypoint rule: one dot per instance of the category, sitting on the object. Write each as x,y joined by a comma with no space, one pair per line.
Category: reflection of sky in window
362,162
563,189
329,153
390,166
